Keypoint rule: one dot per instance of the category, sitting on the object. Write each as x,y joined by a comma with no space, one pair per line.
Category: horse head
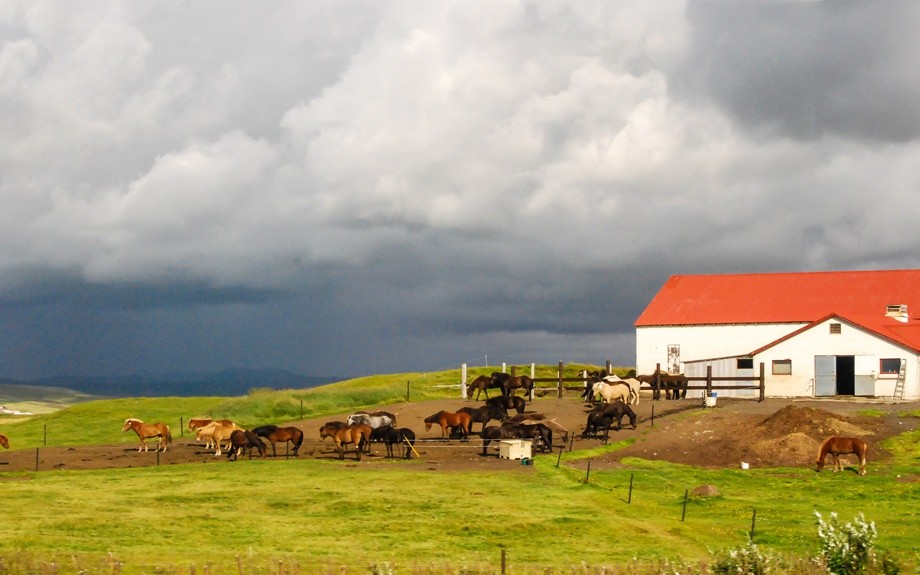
131,423
4,441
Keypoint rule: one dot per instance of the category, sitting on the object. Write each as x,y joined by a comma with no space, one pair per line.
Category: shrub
748,560
847,549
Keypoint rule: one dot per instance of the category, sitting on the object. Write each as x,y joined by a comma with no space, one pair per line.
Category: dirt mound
811,422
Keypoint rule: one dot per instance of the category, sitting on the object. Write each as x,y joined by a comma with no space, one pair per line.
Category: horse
147,431
505,403
196,423
837,446
374,420
4,441
359,434
447,420
217,431
540,433
632,382
495,433
611,392
481,384
274,433
484,414
242,439
673,384
601,418
531,418
391,436
508,384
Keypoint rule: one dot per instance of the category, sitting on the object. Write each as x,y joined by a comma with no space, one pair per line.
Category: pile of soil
776,432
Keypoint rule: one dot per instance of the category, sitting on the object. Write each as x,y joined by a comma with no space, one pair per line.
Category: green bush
847,549
748,560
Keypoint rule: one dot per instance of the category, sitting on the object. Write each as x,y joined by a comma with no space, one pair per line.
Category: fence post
463,391
657,393
753,520
763,382
608,367
301,409
45,439
708,383
559,384
629,499
533,375
683,514
182,427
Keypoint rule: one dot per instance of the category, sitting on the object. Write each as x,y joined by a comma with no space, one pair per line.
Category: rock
705,491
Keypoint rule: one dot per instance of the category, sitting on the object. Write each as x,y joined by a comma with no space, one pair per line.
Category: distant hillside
233,382
14,392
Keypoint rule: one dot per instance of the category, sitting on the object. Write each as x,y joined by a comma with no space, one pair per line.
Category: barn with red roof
833,333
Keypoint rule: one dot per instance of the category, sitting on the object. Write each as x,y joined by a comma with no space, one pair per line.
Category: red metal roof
860,296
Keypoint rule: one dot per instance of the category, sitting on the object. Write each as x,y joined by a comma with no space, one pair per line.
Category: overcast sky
347,188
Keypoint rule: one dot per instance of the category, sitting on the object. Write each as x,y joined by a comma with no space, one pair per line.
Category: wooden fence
710,383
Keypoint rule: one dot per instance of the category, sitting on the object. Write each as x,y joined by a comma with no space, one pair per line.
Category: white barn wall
700,342
723,367
803,348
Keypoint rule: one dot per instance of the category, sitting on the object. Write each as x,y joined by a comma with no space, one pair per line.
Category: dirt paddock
776,432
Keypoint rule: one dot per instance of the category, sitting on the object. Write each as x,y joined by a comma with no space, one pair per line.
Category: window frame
881,366
780,363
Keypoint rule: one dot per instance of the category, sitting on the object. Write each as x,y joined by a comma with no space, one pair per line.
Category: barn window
782,367
889,366
835,328
745,363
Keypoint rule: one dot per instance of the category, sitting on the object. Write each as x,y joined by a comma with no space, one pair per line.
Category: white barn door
825,375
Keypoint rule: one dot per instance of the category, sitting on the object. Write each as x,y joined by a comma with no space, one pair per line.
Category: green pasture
312,516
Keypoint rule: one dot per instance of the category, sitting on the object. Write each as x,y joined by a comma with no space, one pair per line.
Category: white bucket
711,400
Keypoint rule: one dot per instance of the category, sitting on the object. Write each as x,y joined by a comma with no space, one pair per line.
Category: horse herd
362,428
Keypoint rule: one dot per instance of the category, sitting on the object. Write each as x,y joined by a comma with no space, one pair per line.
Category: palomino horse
242,439
274,433
217,431
358,434
4,441
196,423
482,384
837,446
146,431
611,392
448,420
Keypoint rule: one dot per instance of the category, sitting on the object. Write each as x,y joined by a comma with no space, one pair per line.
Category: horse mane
435,417
133,419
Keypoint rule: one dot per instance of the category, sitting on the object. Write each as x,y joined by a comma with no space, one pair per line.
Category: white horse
633,384
611,392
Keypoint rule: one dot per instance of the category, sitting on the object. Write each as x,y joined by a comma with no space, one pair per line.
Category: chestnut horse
147,431
196,423
4,441
358,434
837,446
448,420
274,433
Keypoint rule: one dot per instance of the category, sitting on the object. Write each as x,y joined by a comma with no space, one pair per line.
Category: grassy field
309,516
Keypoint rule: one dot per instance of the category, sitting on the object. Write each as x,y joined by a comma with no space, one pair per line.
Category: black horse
601,419
497,433
241,440
541,435
485,413
391,436
505,403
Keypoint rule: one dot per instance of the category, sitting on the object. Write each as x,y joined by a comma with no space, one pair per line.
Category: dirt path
777,432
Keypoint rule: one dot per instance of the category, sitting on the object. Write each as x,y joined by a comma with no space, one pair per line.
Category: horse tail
168,437
298,441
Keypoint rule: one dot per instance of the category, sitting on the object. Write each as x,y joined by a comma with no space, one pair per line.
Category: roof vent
897,311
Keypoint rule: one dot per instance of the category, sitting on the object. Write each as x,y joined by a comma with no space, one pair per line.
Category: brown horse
244,440
482,384
4,441
146,431
448,420
837,446
274,433
508,384
673,384
358,434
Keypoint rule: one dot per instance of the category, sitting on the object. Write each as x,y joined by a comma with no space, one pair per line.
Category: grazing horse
514,402
601,418
273,434
196,423
485,414
358,434
4,441
481,384
508,384
541,434
495,433
532,418
374,420
243,439
837,446
391,436
146,431
447,420
216,431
